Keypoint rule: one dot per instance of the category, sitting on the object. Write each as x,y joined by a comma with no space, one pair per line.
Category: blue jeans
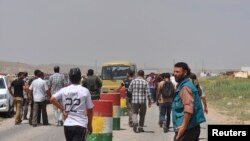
153,94
165,111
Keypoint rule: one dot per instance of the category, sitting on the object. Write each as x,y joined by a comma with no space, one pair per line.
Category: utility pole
202,65
96,65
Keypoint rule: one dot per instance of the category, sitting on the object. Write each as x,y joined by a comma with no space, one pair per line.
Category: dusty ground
25,132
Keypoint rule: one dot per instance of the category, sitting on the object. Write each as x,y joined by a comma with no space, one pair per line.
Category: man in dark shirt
126,82
93,84
18,86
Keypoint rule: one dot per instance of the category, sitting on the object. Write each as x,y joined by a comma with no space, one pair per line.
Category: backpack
126,85
167,90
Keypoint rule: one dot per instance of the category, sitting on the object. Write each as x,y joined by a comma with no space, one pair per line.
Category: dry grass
230,96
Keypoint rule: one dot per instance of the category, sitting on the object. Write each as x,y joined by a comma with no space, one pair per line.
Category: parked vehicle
6,100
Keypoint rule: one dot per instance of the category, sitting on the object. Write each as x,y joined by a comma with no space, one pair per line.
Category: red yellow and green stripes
124,110
116,117
102,121
115,98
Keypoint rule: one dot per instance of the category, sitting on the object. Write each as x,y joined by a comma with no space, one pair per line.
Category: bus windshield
114,72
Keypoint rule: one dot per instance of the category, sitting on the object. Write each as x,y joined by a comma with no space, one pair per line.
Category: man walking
93,84
40,89
140,92
126,83
164,96
19,87
77,108
151,84
187,109
56,82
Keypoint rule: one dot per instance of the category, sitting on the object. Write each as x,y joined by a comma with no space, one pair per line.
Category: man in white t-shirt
77,108
40,92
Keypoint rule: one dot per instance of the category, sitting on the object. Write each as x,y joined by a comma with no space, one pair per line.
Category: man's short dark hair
184,66
56,69
167,75
25,74
163,75
130,73
40,74
141,73
75,75
36,72
20,74
90,72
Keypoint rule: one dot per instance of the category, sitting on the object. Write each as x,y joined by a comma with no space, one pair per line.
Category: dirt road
25,132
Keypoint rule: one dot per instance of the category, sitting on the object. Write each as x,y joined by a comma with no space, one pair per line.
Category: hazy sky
149,32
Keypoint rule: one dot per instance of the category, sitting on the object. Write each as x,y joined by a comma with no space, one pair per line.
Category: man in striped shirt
140,92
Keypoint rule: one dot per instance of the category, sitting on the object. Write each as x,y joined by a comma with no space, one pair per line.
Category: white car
6,100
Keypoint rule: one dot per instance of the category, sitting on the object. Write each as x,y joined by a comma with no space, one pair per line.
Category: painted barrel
115,98
102,121
124,111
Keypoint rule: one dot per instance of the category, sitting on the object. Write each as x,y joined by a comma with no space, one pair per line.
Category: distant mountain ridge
15,67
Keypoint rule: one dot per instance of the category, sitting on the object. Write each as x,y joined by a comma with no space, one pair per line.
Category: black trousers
191,134
141,110
75,133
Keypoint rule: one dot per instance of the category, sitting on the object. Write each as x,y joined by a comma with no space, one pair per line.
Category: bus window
114,72
132,68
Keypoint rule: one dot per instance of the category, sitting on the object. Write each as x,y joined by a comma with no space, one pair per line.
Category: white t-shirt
172,79
39,88
150,84
75,100
203,93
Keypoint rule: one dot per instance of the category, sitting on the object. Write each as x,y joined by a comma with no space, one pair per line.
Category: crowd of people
72,101
73,107
181,96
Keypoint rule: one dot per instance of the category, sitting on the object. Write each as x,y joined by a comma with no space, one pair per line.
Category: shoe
130,123
17,123
34,125
46,124
141,129
165,129
30,121
160,124
135,128
25,118
61,123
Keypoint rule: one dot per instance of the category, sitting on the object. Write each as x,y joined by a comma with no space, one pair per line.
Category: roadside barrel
124,111
115,98
102,121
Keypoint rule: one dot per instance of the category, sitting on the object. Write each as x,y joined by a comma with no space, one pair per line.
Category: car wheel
10,112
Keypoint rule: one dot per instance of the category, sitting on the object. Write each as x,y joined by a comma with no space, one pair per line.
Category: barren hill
15,67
